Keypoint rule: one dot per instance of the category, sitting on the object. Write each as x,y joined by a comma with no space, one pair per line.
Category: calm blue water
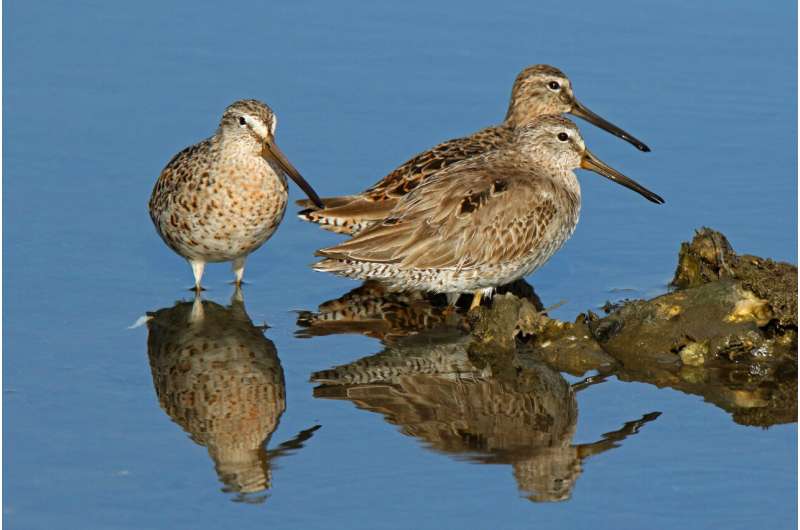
99,96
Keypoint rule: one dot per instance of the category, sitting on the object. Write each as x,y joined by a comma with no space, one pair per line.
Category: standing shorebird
483,222
538,90
222,198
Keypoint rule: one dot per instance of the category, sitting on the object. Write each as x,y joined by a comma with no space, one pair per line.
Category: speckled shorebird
483,222
222,198
538,90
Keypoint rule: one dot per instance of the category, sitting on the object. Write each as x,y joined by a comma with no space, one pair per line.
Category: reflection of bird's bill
611,440
582,112
273,152
592,163
290,446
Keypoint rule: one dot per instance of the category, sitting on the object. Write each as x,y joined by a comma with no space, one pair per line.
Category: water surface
99,96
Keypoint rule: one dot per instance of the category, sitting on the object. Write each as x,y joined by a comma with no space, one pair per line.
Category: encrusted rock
720,319
710,257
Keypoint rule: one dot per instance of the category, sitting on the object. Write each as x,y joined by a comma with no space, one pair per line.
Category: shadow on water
219,378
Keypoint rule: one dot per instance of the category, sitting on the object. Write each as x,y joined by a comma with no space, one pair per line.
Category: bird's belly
226,220
529,263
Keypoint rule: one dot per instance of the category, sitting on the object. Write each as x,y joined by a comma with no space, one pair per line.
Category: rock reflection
522,415
219,378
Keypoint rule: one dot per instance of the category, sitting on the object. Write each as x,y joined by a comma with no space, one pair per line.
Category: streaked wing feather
416,170
459,218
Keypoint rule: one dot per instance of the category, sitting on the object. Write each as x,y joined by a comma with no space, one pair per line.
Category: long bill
592,163
582,112
273,152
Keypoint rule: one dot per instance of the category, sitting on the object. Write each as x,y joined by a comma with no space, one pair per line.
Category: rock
496,328
706,259
694,353
569,348
722,315
710,257
773,281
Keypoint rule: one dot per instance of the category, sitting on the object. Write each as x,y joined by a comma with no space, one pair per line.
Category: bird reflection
374,311
219,378
523,415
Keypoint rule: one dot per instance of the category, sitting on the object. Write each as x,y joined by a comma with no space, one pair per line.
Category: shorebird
222,198
538,90
483,222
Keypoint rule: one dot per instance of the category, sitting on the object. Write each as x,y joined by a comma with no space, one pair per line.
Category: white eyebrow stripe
259,128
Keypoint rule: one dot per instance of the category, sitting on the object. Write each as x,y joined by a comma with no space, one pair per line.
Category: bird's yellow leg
476,299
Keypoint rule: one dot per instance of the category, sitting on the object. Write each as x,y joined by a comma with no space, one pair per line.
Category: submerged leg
476,299
197,269
452,298
238,270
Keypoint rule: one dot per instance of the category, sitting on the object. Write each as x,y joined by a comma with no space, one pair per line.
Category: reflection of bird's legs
611,439
197,313
237,297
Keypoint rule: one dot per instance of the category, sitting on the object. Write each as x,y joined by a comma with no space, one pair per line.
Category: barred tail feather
356,269
346,268
331,224
348,214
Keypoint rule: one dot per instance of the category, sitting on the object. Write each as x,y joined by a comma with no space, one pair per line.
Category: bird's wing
177,171
470,214
413,172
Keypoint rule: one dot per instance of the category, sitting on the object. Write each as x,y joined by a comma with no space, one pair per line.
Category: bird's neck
567,179
241,143
521,111
539,164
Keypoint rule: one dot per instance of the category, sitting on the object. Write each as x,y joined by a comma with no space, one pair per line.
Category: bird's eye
242,121
554,85
563,136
